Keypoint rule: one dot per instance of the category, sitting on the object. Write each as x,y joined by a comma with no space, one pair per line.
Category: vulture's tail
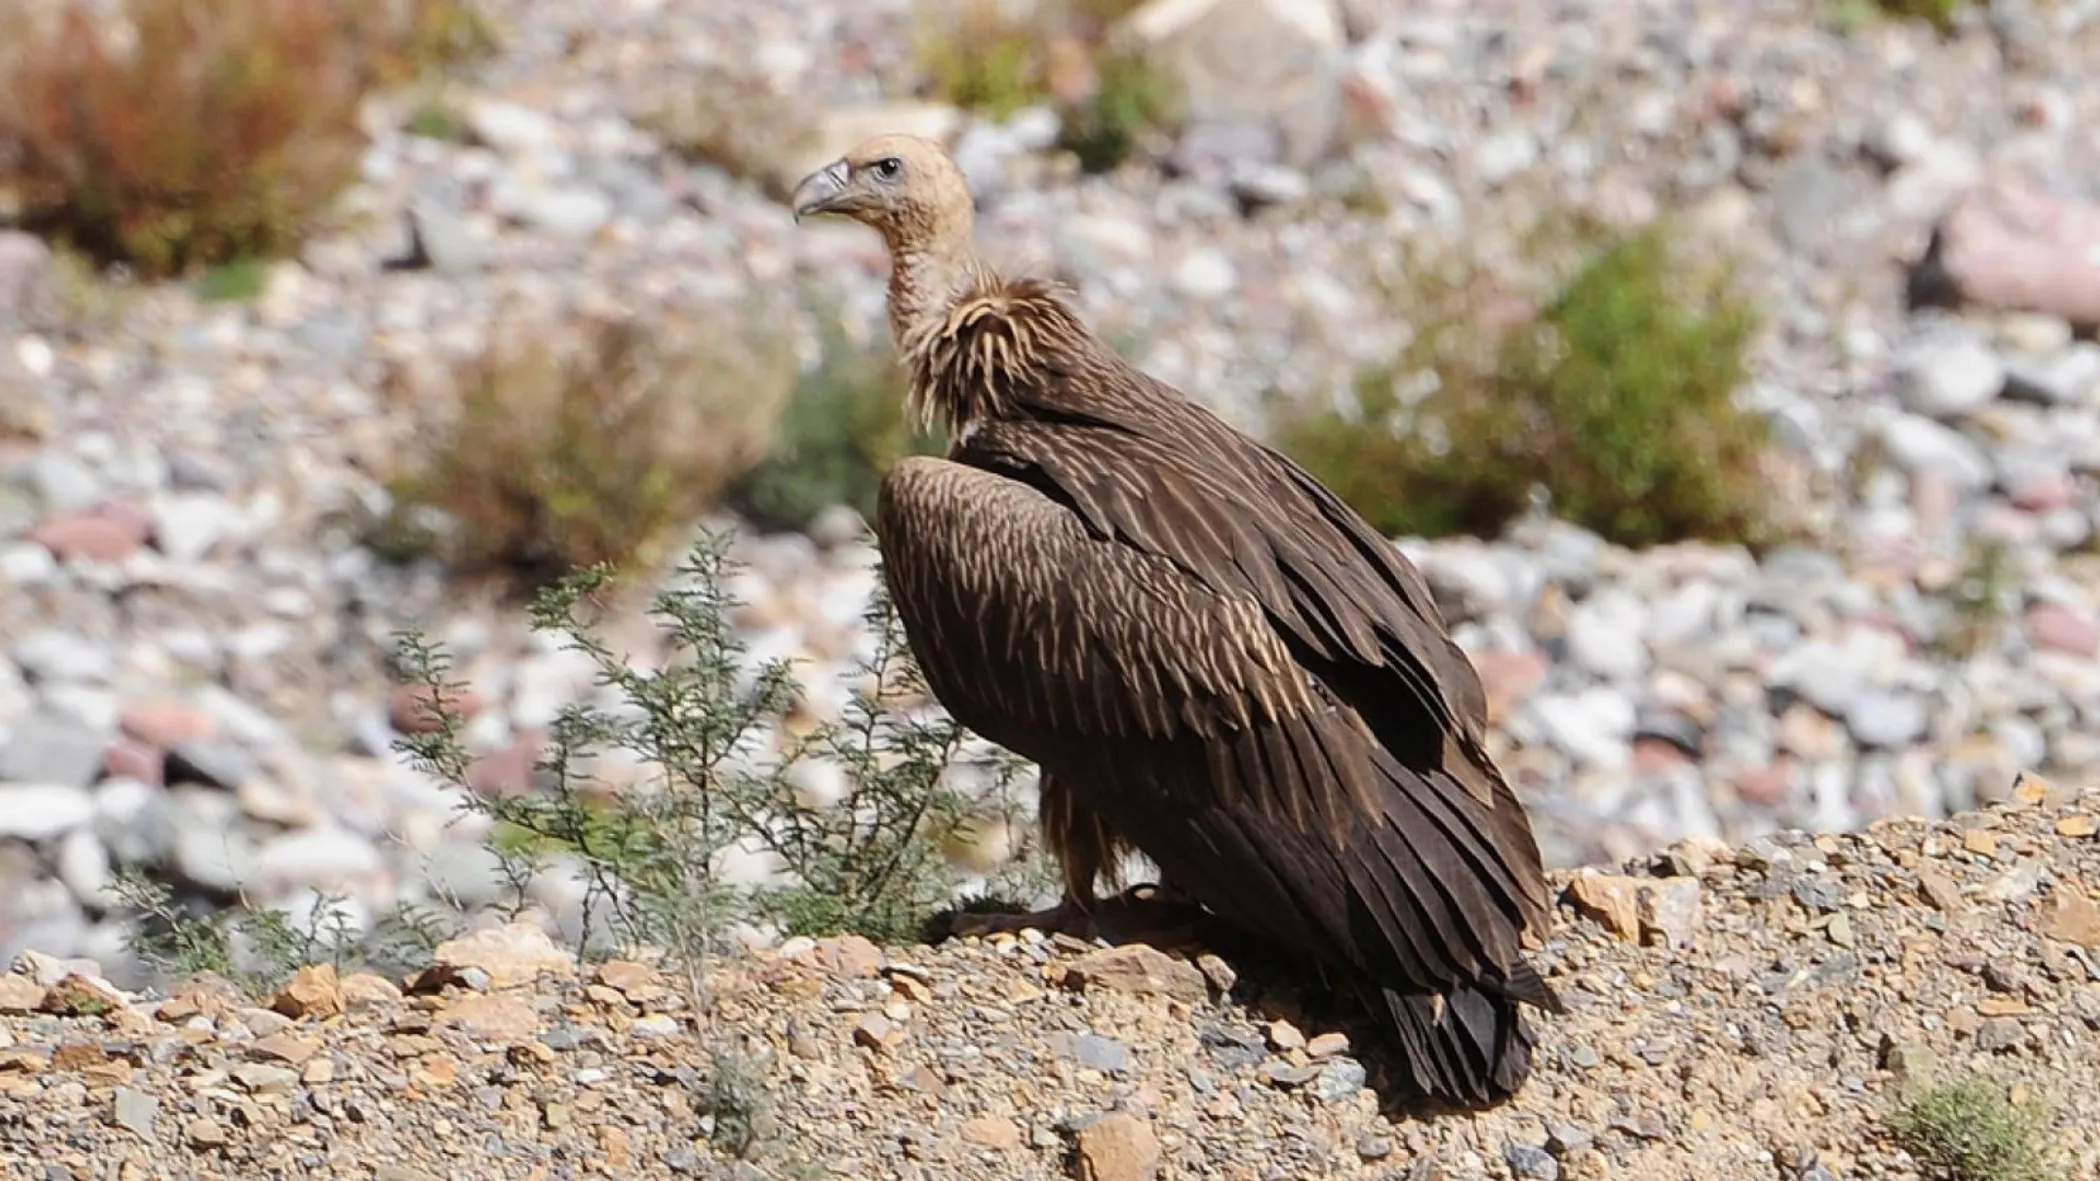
1468,1048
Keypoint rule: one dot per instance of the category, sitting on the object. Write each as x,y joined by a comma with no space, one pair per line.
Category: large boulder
1272,66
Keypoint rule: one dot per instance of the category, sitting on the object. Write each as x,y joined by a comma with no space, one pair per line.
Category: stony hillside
1748,1013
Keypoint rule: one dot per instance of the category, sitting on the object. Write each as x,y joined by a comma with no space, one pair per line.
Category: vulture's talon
1065,918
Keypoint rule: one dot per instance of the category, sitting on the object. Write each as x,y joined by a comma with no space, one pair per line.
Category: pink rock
2057,627
502,774
1653,755
1508,678
101,535
1767,786
2014,247
126,759
164,723
2045,492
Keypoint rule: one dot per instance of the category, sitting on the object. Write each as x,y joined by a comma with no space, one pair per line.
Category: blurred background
1725,364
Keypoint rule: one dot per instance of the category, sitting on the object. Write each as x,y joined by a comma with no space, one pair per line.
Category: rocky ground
1741,1013
193,646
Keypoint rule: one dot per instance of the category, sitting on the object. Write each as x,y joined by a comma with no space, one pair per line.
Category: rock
95,536
323,856
999,1135
52,749
442,240
43,812
2072,917
1140,970
135,1111
496,1017
1879,719
2014,247
1923,447
512,954
1665,911
1605,636
186,525
1948,377
1533,1164
164,723
1339,1079
23,261
1092,1051
566,212
2062,629
19,995
1271,63
510,128
313,993
1117,1147
1612,900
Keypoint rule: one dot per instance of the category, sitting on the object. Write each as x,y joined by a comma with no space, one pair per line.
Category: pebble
172,538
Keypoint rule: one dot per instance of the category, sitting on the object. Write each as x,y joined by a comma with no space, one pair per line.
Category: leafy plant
1966,1129
842,429
259,948
220,132
999,58
557,451
711,728
175,134
1615,400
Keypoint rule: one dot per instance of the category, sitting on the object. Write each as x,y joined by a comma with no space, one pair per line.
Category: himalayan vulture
1213,660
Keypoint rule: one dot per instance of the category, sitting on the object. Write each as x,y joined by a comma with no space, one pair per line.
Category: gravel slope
1739,1013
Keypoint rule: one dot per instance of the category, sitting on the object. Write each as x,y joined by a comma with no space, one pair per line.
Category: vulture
1211,658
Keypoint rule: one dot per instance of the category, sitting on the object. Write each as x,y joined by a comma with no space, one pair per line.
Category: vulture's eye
888,167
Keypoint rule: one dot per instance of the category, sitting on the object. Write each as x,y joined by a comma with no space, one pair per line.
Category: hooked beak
820,191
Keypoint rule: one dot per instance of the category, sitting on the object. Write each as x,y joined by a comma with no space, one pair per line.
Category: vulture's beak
821,190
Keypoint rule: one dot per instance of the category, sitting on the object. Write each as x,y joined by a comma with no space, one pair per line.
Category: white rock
83,865
1949,377
1920,446
1278,63
1604,636
323,856
38,812
510,128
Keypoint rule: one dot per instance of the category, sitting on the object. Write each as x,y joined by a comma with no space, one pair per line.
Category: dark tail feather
1468,1048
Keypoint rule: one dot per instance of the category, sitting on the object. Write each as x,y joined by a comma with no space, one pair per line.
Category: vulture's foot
1066,918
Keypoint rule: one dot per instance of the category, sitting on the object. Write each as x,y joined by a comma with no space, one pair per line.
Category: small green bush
1937,13
562,450
989,56
1966,1129
1616,399
870,862
842,429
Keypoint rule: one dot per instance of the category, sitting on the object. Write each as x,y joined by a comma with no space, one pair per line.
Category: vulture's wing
1121,628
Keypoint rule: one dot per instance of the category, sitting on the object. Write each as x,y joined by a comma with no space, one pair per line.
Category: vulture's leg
1083,848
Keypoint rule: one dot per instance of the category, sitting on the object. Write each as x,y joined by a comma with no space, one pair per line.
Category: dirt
1744,1013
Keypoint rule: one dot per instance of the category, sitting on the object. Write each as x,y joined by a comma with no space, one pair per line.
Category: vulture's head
906,188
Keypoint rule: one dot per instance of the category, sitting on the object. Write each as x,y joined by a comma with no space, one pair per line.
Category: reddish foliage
183,133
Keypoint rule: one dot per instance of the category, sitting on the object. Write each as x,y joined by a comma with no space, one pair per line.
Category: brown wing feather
1172,703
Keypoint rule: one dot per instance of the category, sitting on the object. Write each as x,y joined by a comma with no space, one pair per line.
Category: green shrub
224,130
558,451
1937,13
842,429
870,862
1966,1129
1616,399
990,56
